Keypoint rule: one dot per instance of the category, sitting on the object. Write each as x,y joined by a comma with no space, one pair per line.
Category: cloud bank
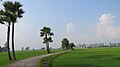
106,27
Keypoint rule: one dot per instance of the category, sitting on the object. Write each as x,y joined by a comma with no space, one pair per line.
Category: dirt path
30,62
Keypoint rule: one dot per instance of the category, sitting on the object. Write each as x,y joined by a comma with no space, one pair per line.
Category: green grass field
94,57
22,55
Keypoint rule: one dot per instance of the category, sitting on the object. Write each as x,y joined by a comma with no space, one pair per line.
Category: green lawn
22,55
94,57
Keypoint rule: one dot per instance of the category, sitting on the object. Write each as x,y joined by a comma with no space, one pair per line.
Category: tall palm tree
46,33
16,12
5,19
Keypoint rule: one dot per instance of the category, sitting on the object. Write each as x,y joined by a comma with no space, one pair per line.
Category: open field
94,57
22,55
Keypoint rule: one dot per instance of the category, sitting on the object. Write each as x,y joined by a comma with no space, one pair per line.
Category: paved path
31,62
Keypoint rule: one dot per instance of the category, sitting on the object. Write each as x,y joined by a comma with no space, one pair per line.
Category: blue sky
78,20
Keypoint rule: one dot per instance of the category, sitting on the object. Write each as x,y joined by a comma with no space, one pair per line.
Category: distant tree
118,44
6,46
4,49
43,48
0,49
27,48
111,45
71,45
50,47
46,33
22,48
65,44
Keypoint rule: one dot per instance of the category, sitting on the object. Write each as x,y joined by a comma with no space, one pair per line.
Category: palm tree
16,12
5,17
65,44
46,33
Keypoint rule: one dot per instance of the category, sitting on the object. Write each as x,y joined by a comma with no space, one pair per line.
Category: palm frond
8,5
17,4
51,34
41,34
1,22
20,11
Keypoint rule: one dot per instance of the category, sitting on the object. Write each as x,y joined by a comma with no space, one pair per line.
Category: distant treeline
3,49
98,45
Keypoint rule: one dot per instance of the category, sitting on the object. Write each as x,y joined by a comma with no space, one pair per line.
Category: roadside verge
47,61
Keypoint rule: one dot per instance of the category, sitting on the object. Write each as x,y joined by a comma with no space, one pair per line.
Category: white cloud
106,28
70,28
70,32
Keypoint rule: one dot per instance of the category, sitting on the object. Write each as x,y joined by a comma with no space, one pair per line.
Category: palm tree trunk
8,39
47,45
13,50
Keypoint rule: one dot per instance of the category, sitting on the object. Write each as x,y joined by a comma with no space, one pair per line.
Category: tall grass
97,57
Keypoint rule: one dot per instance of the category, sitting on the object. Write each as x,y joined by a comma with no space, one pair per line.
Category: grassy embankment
47,61
22,55
94,57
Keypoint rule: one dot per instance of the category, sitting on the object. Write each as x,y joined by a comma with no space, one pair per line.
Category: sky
80,21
